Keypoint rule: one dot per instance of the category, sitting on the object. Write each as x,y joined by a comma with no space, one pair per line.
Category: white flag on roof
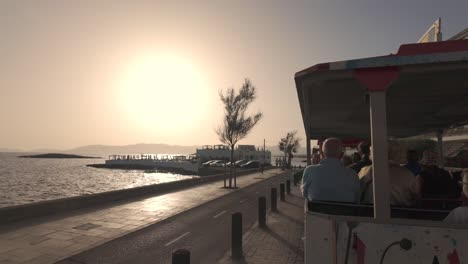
433,34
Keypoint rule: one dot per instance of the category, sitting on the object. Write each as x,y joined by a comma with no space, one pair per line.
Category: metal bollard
262,212
282,196
288,186
236,235
181,256
274,199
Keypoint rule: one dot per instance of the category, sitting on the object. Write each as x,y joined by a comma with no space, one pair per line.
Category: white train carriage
422,88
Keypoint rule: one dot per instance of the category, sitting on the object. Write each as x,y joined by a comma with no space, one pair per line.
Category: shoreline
143,167
57,156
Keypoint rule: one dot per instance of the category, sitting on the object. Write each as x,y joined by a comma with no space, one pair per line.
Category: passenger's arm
416,189
365,182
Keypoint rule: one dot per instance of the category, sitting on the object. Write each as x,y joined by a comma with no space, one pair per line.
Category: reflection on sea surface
26,180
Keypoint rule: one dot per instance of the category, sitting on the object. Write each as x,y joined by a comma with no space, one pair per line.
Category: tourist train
421,89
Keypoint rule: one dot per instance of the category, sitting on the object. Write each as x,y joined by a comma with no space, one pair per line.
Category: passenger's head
364,148
430,158
332,148
346,160
395,151
412,156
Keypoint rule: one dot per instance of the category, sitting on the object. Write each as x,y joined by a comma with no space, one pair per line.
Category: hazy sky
75,73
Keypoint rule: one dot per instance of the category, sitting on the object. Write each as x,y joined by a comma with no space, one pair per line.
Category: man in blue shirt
330,180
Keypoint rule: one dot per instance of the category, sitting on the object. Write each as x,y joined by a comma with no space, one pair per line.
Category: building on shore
242,152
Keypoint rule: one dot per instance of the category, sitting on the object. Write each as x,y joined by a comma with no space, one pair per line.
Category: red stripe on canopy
376,79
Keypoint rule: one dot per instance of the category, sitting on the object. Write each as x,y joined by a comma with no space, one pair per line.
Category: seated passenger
356,157
330,180
315,156
437,182
364,151
405,189
346,160
459,215
412,162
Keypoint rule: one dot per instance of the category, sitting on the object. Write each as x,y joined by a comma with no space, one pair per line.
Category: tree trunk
235,176
230,171
225,174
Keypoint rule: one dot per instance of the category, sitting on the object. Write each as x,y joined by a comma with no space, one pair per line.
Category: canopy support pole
309,155
440,145
381,179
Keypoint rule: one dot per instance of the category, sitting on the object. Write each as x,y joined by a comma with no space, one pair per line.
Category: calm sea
27,180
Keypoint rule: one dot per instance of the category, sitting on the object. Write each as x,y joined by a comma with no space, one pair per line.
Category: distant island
57,156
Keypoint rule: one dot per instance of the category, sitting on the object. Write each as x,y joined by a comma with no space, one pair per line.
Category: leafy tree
289,145
237,124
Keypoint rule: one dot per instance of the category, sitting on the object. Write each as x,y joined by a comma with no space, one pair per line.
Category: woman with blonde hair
405,188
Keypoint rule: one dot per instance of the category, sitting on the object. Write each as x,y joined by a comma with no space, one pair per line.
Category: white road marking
177,238
216,216
241,201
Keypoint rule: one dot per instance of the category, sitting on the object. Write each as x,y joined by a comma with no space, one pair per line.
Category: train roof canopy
426,88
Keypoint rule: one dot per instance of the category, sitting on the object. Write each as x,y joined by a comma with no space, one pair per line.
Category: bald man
330,180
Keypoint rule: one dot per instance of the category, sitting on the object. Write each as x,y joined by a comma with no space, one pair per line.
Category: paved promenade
281,242
50,239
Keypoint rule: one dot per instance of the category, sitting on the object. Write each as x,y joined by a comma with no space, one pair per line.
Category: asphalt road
204,230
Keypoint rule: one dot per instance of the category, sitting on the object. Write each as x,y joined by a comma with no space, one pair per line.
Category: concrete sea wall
44,208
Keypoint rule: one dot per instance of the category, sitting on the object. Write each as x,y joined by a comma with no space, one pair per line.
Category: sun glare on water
164,91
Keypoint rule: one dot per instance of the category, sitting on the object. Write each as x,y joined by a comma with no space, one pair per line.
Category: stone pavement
281,242
50,239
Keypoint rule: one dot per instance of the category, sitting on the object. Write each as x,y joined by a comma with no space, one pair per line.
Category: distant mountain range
106,150
10,150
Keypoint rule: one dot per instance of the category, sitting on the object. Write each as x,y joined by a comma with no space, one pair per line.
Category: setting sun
163,89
